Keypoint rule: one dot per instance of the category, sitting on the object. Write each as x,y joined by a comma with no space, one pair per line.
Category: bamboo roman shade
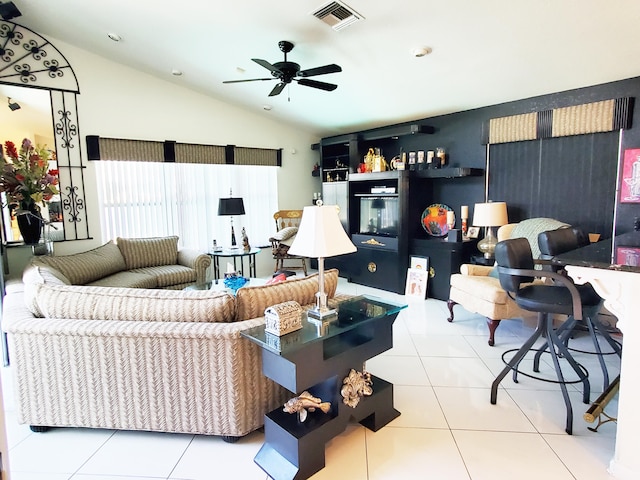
100,148
595,117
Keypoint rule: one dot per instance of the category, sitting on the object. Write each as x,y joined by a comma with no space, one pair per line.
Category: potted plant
27,181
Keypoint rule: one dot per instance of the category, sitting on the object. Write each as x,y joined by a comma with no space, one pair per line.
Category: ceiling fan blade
265,64
329,87
333,68
248,80
277,89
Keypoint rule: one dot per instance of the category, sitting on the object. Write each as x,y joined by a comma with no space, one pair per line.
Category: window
145,199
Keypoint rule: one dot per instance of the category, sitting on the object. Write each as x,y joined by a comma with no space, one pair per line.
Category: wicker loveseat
145,359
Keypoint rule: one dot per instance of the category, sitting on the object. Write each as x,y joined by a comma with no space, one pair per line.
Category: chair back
287,218
514,253
562,240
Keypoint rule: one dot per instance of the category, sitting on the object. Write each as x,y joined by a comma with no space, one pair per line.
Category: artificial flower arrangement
25,177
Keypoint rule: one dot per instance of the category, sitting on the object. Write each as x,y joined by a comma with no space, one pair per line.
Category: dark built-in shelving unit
382,260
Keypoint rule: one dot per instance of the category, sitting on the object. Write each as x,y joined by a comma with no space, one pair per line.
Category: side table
235,254
317,359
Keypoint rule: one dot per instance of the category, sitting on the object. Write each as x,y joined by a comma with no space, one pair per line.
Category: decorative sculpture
245,241
303,403
355,386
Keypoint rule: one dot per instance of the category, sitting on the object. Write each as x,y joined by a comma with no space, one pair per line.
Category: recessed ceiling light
175,72
421,51
114,36
267,107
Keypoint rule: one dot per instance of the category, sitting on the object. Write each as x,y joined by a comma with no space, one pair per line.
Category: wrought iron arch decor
30,60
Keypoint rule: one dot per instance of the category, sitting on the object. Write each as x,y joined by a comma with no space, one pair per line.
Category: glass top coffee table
327,362
214,285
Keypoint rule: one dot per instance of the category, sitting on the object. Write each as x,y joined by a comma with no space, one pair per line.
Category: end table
317,360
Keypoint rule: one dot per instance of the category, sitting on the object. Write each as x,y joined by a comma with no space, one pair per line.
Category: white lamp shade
321,234
491,214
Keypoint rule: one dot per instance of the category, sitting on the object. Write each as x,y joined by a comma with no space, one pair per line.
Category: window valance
595,117
101,148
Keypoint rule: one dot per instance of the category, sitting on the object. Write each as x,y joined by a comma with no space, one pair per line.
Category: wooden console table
317,359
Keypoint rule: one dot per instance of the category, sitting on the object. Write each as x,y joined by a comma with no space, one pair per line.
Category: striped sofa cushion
253,301
138,304
148,252
85,267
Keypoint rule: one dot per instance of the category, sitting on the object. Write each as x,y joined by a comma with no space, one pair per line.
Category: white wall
117,101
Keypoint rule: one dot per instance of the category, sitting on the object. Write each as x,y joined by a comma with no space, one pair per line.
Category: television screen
379,215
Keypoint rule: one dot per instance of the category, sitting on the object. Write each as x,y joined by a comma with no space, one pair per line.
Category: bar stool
556,242
516,271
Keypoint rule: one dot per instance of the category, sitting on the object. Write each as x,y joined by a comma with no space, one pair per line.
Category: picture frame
630,181
421,263
473,232
628,256
417,282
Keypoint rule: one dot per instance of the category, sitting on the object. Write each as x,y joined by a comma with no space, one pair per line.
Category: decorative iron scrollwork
72,203
65,129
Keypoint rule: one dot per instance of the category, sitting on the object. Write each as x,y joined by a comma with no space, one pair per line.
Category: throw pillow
86,267
285,233
148,252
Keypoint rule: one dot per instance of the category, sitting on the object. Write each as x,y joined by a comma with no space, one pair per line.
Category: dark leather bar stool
516,271
556,242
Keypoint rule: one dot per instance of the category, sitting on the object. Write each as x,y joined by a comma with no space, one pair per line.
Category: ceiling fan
286,72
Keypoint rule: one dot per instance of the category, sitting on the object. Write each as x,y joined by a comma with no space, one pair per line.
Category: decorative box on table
283,318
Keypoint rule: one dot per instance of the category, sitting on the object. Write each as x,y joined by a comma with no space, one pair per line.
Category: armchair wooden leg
450,305
492,324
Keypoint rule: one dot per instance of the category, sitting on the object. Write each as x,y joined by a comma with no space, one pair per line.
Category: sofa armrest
197,260
475,270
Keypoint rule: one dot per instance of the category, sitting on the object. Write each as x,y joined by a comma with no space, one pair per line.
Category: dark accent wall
571,194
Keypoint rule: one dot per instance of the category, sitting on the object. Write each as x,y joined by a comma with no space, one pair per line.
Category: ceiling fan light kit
287,72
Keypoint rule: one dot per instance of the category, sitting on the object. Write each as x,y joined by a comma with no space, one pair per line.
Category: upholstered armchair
287,223
477,288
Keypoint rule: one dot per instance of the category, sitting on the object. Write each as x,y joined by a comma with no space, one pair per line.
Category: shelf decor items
434,219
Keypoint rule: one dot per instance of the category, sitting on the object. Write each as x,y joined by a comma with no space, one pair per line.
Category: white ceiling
484,52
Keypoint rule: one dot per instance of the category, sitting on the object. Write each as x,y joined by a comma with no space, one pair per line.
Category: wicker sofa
145,359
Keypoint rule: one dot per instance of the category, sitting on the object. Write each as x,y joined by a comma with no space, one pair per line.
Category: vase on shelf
30,223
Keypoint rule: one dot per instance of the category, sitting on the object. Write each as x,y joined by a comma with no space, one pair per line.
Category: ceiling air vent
337,15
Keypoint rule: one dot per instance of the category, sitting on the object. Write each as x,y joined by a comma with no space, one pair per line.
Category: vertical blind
145,199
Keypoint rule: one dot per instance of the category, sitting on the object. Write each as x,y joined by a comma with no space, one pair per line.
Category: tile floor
448,429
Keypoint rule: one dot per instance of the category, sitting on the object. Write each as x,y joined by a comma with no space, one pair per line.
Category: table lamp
321,235
231,206
489,215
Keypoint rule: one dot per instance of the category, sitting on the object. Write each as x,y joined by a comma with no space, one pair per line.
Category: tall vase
30,224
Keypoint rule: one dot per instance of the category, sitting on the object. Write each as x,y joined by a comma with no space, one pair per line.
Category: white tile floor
448,429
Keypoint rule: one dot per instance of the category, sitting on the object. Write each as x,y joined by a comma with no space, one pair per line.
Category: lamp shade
491,214
231,206
321,234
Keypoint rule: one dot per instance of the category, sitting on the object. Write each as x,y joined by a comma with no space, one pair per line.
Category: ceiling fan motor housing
288,70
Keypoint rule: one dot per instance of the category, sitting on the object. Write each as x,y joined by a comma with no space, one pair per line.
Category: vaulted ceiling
483,53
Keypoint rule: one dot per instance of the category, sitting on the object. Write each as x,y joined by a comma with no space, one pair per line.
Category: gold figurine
303,403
